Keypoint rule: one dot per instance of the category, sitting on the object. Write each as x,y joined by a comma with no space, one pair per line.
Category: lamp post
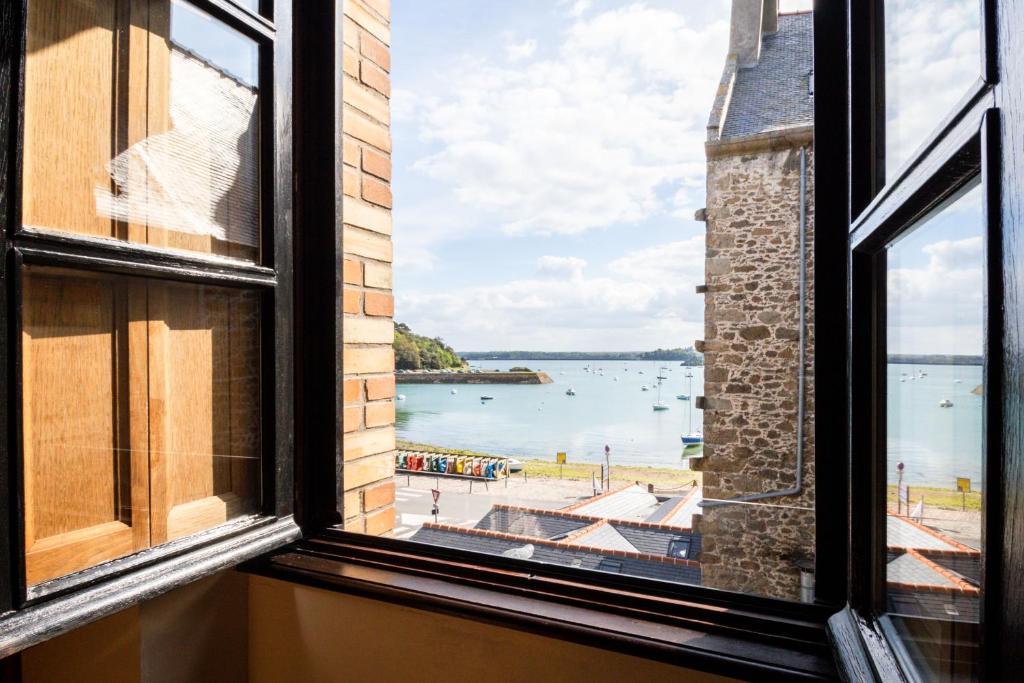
899,488
607,467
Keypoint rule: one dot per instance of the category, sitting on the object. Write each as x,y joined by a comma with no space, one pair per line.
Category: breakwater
473,378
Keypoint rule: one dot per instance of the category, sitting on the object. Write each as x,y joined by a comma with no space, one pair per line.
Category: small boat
515,465
643,388
659,404
662,377
400,397
683,397
692,439
903,379
689,374
454,391
486,398
945,403
570,392
639,372
956,381
615,379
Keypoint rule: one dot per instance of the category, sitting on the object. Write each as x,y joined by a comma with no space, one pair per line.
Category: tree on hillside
414,351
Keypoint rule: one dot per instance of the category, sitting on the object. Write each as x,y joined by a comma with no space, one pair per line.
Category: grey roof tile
631,502
774,94
908,569
529,523
943,606
903,533
564,556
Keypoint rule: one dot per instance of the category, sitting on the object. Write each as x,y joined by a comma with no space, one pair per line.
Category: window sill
709,637
38,622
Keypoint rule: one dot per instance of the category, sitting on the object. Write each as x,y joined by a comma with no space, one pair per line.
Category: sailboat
693,439
659,404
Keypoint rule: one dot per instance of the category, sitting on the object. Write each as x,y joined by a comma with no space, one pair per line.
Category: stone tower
761,120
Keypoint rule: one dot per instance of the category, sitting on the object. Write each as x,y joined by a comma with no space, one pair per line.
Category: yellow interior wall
297,633
234,627
195,633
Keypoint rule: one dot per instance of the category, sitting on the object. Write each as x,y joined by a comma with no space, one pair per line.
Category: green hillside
416,352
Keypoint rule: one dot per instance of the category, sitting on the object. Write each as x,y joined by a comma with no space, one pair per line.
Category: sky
548,160
936,282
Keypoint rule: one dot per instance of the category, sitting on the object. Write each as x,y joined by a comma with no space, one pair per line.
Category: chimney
750,20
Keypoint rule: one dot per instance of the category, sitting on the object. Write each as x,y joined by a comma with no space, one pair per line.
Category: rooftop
774,94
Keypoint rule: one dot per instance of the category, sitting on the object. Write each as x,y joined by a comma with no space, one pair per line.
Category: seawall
473,378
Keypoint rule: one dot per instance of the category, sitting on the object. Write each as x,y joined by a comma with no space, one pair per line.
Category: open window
147,279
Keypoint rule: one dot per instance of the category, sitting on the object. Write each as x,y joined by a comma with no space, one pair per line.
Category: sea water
539,420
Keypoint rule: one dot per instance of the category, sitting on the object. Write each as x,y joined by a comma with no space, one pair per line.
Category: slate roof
945,606
529,522
906,533
774,93
967,566
678,511
564,554
658,541
604,536
631,502
909,569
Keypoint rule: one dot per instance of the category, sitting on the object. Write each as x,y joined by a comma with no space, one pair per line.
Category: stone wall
368,361
751,354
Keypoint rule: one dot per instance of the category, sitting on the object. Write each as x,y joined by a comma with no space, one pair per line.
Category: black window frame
31,614
693,626
975,140
332,558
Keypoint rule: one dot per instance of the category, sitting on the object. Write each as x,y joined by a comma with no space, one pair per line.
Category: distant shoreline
933,359
689,357
465,377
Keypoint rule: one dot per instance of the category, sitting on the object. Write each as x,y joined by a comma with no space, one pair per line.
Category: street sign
963,484
560,458
435,493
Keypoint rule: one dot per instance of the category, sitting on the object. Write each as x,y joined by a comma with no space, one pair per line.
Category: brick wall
750,364
368,305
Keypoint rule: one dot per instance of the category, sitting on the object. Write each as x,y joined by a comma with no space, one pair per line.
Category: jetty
470,377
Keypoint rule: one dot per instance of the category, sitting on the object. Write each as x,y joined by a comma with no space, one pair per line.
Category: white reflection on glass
932,56
934,457
198,175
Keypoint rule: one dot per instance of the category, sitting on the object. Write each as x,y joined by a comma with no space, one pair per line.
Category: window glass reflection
934,458
932,56
142,124
140,414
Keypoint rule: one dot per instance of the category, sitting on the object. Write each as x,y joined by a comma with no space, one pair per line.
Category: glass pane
549,401
142,124
932,56
934,457
140,414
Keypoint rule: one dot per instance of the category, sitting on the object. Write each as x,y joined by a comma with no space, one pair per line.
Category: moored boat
692,439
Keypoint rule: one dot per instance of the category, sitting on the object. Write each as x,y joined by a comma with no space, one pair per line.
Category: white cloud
579,8
932,55
519,51
561,266
608,131
647,298
937,307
